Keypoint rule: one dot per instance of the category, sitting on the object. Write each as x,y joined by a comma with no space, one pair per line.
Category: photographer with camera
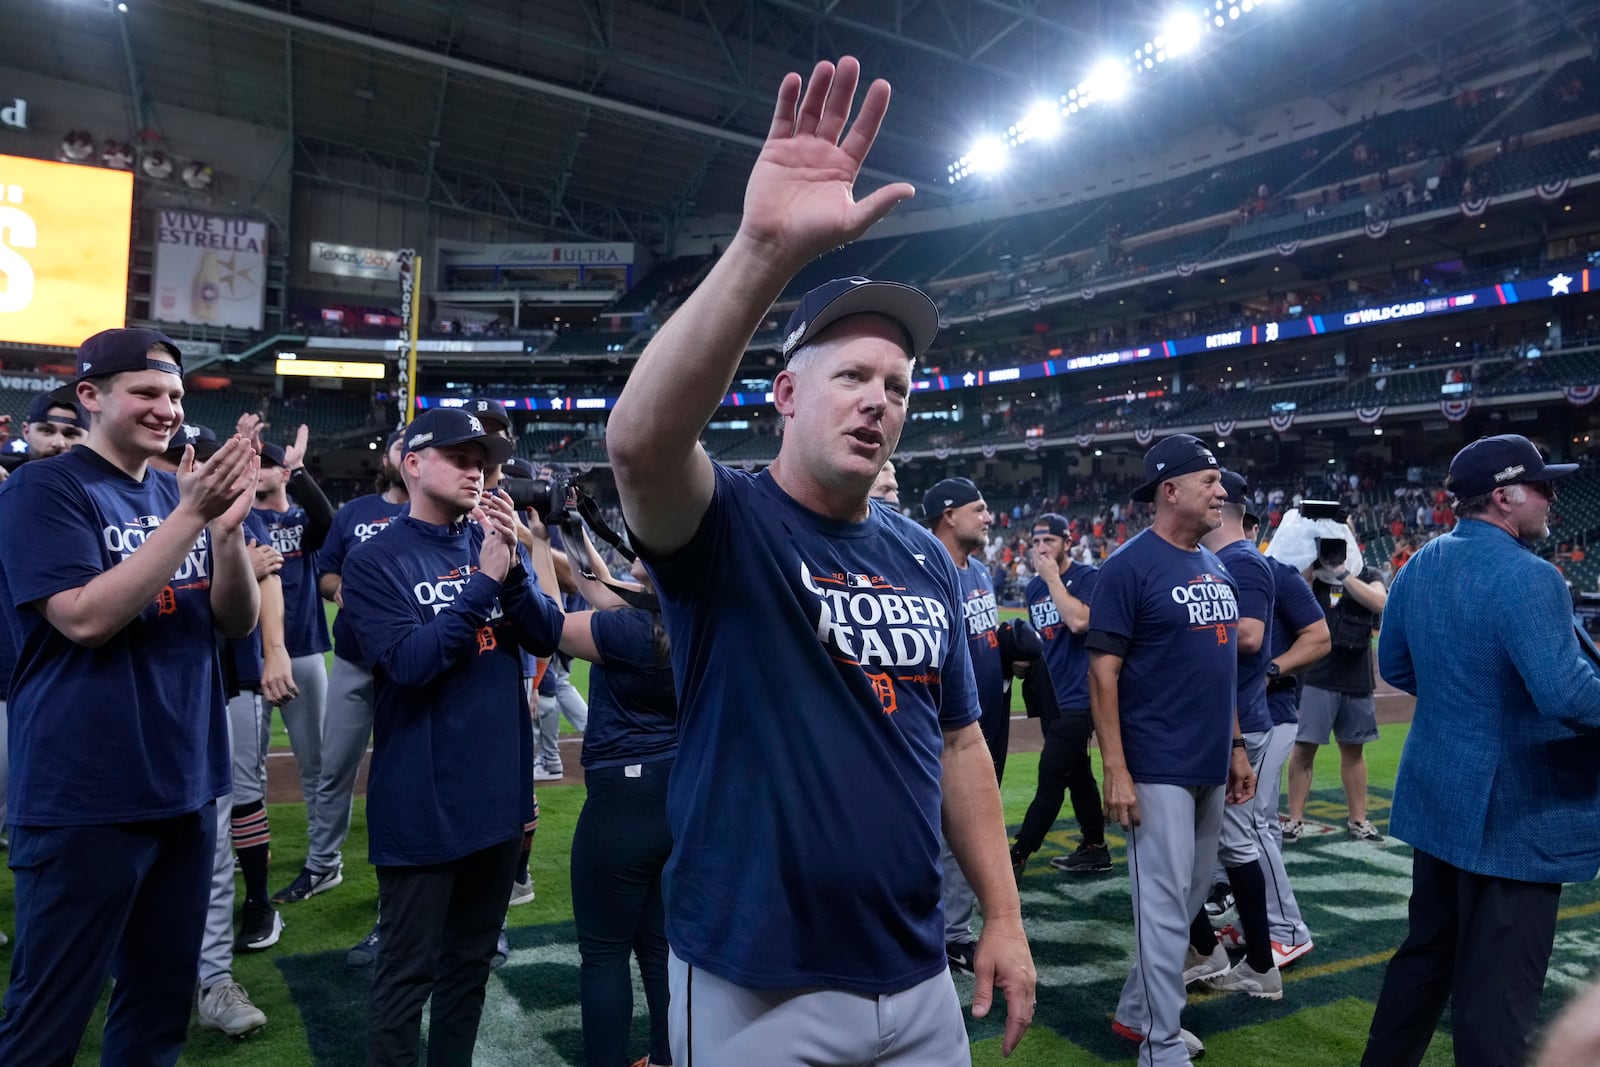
1337,697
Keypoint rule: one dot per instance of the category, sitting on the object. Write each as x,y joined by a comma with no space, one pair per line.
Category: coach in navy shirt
829,718
117,579
442,607
1163,672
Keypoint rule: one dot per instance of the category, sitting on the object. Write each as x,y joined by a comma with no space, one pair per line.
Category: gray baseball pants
1170,855
714,1023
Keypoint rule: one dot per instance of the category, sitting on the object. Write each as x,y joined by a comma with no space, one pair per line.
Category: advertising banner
349,261
210,270
64,233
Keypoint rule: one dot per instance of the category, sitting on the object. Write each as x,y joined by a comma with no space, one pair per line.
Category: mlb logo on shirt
860,581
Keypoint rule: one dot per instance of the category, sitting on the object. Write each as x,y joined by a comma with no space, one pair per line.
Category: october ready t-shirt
135,729
242,659
981,621
1176,614
818,663
1257,592
354,524
1294,609
1066,657
305,624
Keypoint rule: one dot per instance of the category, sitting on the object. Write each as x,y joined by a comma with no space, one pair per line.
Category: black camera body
1324,509
1331,551
547,497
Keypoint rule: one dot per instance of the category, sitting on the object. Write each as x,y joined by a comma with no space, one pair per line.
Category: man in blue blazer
1499,784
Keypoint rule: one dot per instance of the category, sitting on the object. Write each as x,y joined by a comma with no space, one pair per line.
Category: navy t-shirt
1257,592
305,624
135,729
633,706
354,524
1066,657
452,748
1177,613
242,659
818,663
1294,609
982,620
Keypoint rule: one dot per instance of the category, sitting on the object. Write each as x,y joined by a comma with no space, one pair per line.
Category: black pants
440,925
1484,943
618,850
126,900
1064,767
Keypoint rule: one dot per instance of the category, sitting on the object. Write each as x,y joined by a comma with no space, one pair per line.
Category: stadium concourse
1321,247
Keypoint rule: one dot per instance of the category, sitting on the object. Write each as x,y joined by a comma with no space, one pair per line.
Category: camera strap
589,510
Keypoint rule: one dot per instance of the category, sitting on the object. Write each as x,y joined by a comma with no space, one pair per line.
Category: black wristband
1238,742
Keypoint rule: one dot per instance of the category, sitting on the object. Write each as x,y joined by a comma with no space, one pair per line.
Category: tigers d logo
486,640
166,601
883,689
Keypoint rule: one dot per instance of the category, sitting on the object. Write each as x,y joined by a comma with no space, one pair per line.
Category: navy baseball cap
1172,457
39,410
517,467
1053,524
115,351
203,438
394,435
950,493
1505,459
271,455
1236,487
829,302
489,411
438,427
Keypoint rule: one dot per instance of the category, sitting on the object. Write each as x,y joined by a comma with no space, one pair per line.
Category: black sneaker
365,952
1220,902
1019,860
260,929
308,884
961,954
1087,859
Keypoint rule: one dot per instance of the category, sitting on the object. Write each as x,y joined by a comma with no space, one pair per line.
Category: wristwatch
1238,742
1273,670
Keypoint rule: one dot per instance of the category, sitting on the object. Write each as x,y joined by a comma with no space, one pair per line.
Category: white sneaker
1197,967
1283,955
1244,979
226,1007
522,890
544,774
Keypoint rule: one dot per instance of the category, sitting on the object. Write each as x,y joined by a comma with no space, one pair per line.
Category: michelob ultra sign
64,233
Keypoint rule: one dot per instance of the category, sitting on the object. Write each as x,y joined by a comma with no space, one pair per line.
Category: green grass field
1353,894
314,1004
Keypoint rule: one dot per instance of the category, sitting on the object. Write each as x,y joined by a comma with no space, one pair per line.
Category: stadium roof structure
617,119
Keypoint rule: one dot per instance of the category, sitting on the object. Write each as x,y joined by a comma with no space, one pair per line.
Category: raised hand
249,427
295,455
499,524
800,200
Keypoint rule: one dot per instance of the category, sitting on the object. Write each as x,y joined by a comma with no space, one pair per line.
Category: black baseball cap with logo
116,351
1052,524
1173,457
47,407
1504,459
950,493
438,427
489,411
1238,490
829,302
203,438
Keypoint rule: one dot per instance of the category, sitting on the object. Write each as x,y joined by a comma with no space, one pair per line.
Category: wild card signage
210,269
